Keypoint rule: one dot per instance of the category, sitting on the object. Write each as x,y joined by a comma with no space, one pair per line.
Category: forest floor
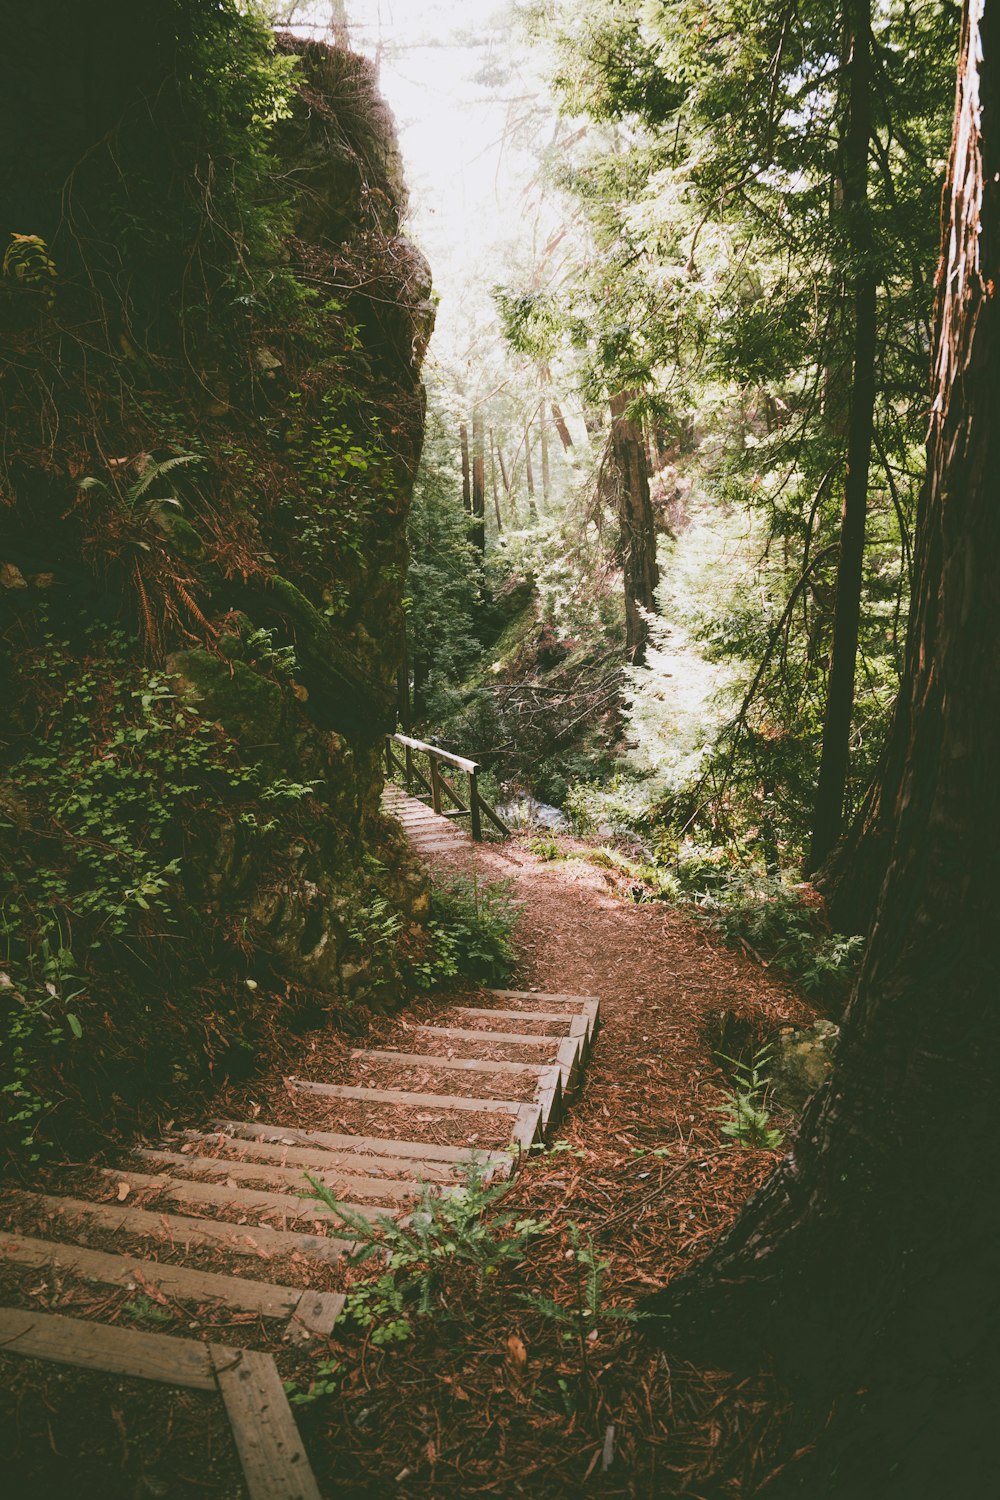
500,1397
528,1379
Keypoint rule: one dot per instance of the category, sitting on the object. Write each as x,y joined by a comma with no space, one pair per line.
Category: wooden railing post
408,753
435,782
475,820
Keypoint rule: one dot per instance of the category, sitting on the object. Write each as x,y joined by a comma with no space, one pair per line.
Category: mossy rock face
263,914
249,707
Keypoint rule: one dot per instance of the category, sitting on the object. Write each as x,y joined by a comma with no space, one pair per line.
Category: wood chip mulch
493,1396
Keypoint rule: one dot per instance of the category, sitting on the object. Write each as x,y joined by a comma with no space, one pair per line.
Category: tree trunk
493,479
463,434
529,475
543,439
640,573
560,425
504,474
478,532
867,1263
829,809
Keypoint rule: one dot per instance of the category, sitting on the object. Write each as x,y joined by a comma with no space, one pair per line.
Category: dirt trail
492,1393
665,984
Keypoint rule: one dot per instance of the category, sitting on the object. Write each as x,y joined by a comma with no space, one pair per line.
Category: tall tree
867,1261
637,528
478,532
828,812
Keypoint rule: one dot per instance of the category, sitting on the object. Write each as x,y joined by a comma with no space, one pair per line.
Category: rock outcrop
212,410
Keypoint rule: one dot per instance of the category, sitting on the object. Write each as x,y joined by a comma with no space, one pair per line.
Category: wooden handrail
438,785
453,760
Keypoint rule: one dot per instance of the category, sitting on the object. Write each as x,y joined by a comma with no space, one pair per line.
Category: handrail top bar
471,766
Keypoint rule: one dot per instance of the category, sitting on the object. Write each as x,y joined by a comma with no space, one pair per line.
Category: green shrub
469,934
773,920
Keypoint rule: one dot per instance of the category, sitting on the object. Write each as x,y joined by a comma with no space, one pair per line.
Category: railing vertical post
388,757
435,782
409,766
474,818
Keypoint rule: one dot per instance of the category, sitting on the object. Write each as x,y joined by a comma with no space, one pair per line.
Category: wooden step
518,1111
460,1064
469,1034
568,1050
275,1466
248,1200
310,1312
119,1351
577,1000
582,1024
251,1171
178,1229
543,1071
274,1461
314,1158
415,1153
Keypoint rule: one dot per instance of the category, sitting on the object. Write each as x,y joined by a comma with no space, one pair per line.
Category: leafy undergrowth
469,933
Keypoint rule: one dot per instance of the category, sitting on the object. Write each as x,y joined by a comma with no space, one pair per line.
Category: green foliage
469,934
746,1118
578,1319
460,1227
110,781
775,922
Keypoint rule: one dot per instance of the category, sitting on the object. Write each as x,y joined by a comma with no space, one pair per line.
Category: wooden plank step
461,1064
567,1049
178,1229
415,1100
529,1122
314,1158
116,1351
550,1076
218,1195
413,1151
249,1171
274,1460
469,1034
579,1000
183,1282
581,1005
581,1024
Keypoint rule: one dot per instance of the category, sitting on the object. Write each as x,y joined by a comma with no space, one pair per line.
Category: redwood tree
637,527
866,1266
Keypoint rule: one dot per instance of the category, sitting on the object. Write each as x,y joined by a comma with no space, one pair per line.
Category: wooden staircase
230,1191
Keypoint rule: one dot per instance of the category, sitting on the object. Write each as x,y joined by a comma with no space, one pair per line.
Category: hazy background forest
677,306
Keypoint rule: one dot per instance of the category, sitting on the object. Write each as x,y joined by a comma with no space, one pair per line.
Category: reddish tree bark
640,572
866,1266
463,437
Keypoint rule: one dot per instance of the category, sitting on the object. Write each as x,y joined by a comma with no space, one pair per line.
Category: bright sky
466,178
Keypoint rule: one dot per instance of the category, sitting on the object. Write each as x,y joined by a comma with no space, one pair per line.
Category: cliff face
212,415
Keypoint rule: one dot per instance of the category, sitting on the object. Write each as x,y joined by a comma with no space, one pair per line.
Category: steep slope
212,415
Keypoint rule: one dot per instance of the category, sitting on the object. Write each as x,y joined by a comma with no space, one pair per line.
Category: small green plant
459,1227
776,922
469,934
142,1309
545,849
326,1382
28,262
746,1118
